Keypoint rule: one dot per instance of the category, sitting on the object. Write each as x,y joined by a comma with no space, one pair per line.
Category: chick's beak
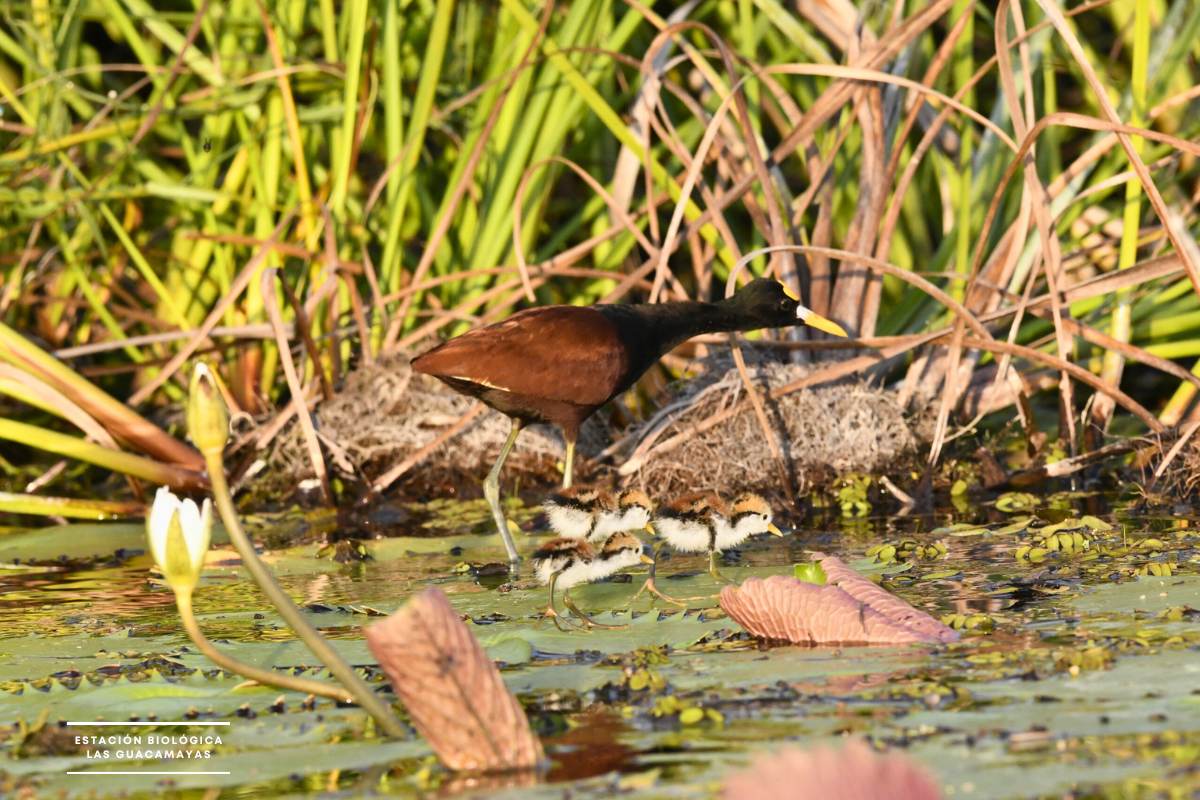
815,320
773,530
649,528
645,559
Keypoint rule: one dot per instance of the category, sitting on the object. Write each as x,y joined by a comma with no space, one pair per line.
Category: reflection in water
591,747
96,600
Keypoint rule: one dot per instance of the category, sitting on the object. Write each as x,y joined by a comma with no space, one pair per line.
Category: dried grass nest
1181,479
822,431
383,413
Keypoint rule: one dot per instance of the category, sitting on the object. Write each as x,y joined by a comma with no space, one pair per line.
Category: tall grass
402,170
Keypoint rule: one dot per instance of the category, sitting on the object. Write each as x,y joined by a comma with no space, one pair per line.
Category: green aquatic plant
907,550
207,412
810,572
853,495
981,623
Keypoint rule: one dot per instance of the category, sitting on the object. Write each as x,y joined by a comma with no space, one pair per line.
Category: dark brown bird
558,364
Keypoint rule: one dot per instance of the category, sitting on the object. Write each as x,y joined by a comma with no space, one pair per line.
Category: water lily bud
207,416
179,533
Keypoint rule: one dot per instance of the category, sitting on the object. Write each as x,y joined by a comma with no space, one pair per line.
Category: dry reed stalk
618,213
200,335
837,20
832,100
358,311
855,297
1055,15
549,268
1149,270
1079,373
312,445
692,174
451,689
785,475
1185,436
304,327
624,177
666,132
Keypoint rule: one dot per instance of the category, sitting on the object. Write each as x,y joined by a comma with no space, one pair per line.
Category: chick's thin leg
591,623
650,587
551,612
712,567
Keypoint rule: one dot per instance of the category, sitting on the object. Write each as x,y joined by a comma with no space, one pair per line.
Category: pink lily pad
852,772
849,609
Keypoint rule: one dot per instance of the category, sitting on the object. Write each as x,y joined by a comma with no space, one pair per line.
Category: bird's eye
784,303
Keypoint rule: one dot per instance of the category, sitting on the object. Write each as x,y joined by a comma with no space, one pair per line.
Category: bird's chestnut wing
566,353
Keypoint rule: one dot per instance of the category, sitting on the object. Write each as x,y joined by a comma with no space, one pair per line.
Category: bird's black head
771,304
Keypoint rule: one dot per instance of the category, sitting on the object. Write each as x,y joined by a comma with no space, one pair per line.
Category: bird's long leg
491,490
591,623
568,463
649,585
712,567
551,611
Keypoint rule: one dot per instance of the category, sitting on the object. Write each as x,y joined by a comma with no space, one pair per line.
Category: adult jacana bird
558,364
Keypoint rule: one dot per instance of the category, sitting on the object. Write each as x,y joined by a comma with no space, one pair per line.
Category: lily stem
266,677
320,647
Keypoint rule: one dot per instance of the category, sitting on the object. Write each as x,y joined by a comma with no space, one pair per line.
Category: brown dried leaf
883,601
853,772
452,690
848,610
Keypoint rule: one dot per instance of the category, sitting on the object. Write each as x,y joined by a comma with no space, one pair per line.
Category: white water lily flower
179,533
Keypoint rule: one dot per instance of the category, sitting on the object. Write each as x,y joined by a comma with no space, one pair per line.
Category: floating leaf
849,610
1016,501
810,572
1017,525
511,650
883,601
1095,523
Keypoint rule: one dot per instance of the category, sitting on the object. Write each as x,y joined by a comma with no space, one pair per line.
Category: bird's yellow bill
647,559
649,528
814,320
774,531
